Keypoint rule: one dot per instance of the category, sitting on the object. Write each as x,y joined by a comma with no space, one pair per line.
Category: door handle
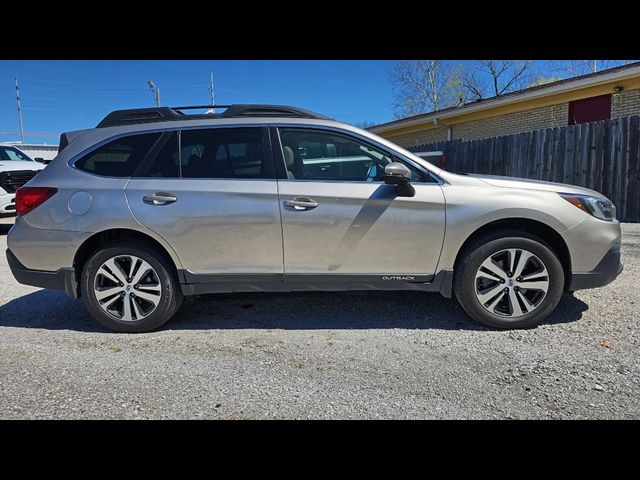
160,198
301,203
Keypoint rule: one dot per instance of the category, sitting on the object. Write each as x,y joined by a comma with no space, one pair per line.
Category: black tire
171,294
471,258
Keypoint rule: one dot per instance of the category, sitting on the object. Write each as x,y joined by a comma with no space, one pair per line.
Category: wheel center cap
128,287
510,282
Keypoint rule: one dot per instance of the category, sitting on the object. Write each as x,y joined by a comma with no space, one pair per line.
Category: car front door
341,222
212,195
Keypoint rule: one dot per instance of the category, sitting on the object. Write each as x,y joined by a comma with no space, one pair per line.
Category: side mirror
399,174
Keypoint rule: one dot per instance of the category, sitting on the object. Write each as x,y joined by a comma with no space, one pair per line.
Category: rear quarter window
119,158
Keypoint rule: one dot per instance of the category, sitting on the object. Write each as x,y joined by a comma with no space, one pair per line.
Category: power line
105,86
11,133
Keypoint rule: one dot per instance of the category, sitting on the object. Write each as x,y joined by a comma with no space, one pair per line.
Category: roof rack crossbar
166,114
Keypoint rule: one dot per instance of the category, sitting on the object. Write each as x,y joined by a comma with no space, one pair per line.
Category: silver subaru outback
156,204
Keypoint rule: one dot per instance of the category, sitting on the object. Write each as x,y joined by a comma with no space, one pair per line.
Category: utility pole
212,91
155,90
19,112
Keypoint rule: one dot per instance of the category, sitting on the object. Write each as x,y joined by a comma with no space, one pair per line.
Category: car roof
244,115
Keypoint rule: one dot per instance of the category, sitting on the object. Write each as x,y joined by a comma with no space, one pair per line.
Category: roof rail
200,107
166,114
244,110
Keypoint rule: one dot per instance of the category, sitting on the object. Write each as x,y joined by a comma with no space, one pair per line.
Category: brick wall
516,122
625,104
419,138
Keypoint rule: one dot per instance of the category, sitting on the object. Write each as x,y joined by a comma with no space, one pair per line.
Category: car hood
527,184
15,165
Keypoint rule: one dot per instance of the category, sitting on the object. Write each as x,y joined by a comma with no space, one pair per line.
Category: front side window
119,158
320,155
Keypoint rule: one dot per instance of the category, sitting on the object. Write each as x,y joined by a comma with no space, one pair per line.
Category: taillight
28,198
442,160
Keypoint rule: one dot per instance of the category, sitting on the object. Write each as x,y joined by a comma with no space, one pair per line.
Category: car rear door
341,222
212,195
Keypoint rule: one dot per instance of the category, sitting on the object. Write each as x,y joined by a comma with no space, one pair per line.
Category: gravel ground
323,355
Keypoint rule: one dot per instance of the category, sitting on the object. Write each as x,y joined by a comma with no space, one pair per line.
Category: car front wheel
509,280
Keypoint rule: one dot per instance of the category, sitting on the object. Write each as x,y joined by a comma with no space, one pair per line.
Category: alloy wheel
127,288
511,283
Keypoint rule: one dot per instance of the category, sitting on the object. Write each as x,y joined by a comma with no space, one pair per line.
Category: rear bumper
605,272
63,279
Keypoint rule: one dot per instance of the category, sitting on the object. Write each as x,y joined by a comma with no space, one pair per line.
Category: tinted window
119,158
166,162
10,153
222,153
319,155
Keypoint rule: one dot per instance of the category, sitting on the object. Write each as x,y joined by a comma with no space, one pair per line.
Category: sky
59,96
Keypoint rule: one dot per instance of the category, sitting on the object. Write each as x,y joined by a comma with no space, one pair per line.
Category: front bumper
605,272
8,204
63,279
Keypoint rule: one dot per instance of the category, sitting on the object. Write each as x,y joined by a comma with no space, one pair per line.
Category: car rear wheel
509,279
129,286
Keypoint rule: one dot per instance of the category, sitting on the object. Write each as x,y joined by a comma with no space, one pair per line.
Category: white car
16,169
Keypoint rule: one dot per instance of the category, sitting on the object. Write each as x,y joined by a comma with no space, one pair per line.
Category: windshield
11,153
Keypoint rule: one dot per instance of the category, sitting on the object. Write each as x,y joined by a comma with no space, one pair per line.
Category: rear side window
210,153
222,153
166,163
119,158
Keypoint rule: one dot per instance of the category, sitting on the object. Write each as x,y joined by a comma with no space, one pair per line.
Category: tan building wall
625,104
516,122
419,138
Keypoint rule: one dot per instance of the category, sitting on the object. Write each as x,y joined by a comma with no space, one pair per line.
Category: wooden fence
603,156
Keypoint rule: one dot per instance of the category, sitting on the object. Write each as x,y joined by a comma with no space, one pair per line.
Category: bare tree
574,68
492,78
425,85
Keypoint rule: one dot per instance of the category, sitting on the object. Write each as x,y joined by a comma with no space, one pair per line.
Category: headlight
599,208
